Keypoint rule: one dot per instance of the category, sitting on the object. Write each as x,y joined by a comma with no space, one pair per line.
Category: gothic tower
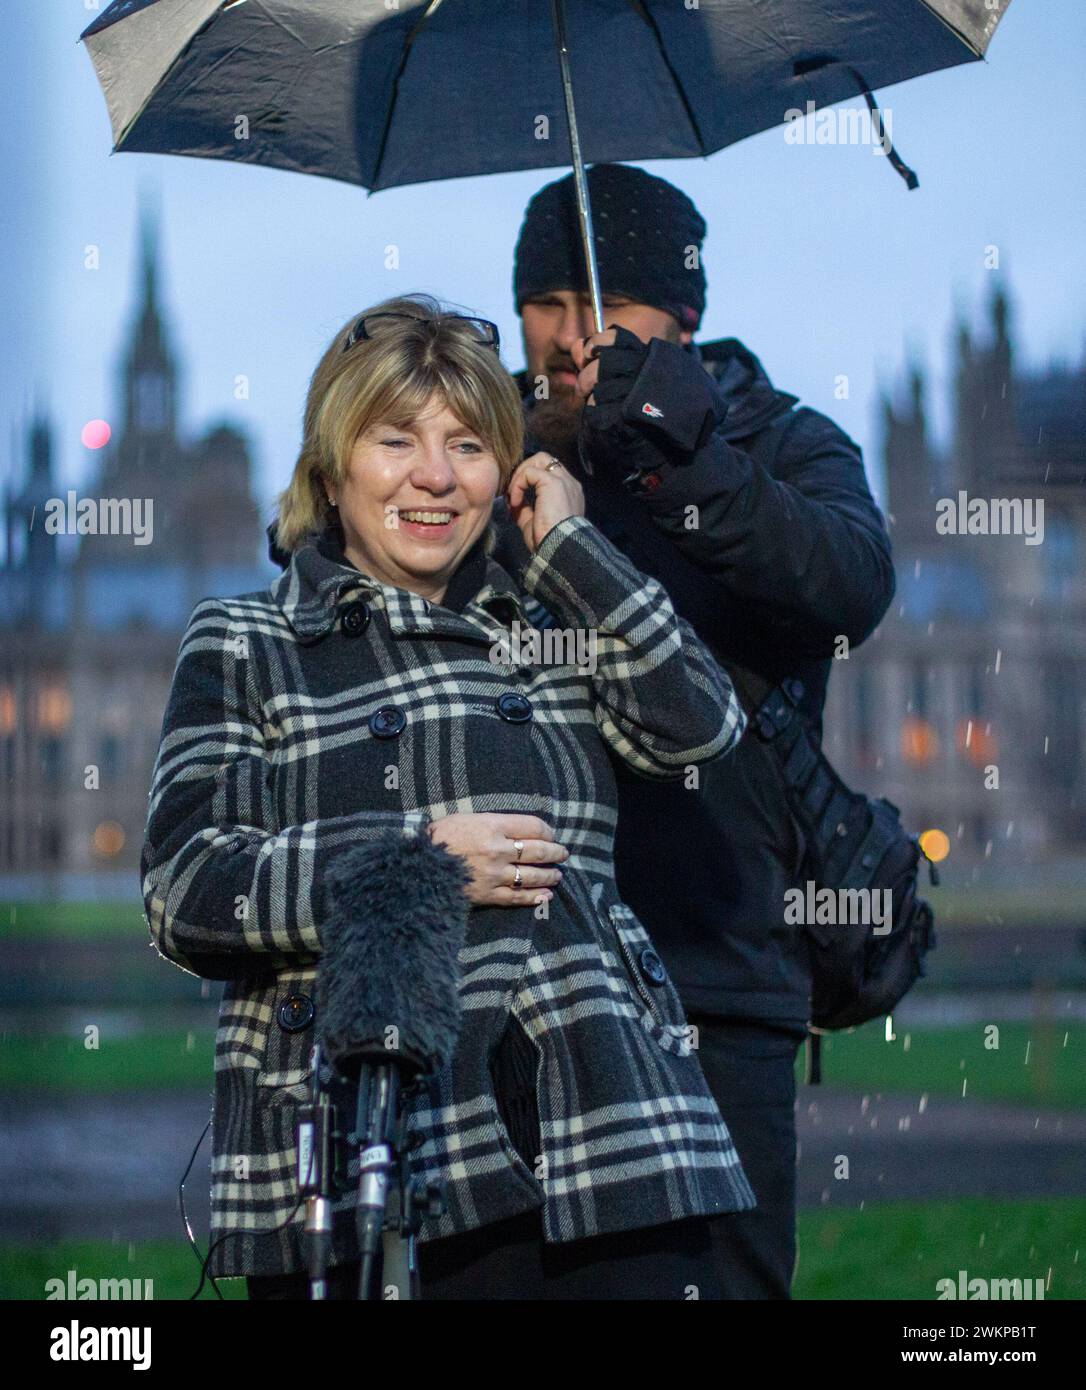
28,546
145,460
911,469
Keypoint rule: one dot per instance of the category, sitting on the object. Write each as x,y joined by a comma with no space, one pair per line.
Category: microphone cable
185,1216
205,1260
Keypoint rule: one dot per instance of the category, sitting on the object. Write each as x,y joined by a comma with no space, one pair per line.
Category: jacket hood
753,399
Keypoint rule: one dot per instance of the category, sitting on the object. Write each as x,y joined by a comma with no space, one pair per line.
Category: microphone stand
375,1118
319,1174
408,1203
390,1206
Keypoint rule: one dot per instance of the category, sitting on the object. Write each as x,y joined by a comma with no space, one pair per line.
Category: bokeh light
96,434
8,710
109,838
919,741
976,742
935,844
54,709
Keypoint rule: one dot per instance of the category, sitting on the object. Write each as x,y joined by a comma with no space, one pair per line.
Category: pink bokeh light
96,434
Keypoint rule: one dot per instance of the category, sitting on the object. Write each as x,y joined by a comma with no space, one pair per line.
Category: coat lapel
319,579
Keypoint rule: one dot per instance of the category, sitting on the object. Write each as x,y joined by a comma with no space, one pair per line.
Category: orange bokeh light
935,844
919,741
976,741
54,709
109,838
8,710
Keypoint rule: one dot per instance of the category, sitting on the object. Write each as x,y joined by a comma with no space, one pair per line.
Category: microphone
388,1001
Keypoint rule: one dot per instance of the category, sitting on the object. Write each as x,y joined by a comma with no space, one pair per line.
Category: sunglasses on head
486,331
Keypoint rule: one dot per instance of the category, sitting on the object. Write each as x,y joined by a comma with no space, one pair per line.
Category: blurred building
90,627
979,665
968,706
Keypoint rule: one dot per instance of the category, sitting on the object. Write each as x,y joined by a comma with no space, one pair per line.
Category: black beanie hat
648,242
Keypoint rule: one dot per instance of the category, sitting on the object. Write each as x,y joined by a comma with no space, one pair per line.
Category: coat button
356,618
387,722
295,1012
515,707
505,610
652,967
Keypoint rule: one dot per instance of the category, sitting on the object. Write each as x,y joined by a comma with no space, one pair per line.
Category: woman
580,1148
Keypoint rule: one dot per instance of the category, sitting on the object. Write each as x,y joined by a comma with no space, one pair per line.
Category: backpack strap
813,1075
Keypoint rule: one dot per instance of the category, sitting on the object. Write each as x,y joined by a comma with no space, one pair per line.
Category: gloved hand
606,435
654,403
620,365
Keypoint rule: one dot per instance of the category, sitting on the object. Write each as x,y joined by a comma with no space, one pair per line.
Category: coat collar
319,578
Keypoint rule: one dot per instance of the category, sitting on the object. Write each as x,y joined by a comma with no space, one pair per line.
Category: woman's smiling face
415,500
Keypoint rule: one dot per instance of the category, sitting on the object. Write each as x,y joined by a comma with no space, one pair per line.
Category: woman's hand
557,495
487,841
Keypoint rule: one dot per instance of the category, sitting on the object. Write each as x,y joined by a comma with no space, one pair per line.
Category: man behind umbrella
756,516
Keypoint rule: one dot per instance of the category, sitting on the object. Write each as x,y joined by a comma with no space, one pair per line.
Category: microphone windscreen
388,979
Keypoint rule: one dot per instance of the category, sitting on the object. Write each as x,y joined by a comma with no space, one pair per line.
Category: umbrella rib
175,62
953,28
404,55
640,9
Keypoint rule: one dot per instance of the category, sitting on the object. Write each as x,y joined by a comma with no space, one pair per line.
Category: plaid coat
331,708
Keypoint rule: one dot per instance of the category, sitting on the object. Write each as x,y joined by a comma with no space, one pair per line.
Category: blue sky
817,256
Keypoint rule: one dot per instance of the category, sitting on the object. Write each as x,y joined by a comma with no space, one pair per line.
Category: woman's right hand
486,840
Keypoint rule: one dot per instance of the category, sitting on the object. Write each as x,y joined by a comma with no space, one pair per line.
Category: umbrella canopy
436,89
382,95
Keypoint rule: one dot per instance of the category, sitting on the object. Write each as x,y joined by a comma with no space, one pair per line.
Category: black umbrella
385,94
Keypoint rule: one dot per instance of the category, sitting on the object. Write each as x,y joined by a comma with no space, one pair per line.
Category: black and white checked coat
269,767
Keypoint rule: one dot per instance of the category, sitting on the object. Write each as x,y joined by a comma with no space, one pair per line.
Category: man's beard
554,423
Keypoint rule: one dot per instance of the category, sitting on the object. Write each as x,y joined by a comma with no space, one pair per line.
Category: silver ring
518,845
553,464
517,876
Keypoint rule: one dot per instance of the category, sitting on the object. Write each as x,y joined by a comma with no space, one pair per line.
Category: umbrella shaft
584,207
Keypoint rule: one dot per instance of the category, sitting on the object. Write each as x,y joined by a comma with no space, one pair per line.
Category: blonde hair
391,377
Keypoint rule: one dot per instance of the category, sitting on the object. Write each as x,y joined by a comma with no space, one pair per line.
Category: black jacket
783,557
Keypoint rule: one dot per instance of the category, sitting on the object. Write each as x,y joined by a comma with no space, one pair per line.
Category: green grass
148,1061
1034,1064
1054,904
170,1264
74,920
902,1249
894,1250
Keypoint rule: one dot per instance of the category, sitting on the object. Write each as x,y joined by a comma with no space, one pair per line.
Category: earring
332,502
